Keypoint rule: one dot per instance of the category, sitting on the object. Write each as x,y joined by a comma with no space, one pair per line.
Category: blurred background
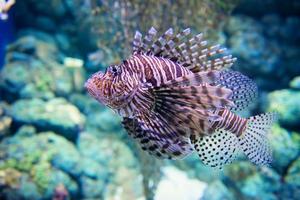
58,143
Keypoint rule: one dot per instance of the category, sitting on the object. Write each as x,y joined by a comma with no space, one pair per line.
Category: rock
45,23
73,62
63,42
176,185
94,170
286,104
105,121
249,45
32,91
94,179
68,159
196,168
86,104
92,188
10,177
31,45
118,169
56,115
217,191
125,183
60,192
5,122
8,79
42,59
37,34
285,146
25,131
252,182
292,180
56,178
45,159
28,189
295,83
114,153
264,46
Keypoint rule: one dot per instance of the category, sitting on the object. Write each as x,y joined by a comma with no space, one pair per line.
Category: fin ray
157,138
192,52
244,90
254,139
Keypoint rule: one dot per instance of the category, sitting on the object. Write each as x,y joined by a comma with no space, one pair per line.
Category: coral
87,155
40,174
251,182
86,104
31,55
9,177
124,17
292,178
217,191
110,122
56,114
263,48
182,186
295,83
285,145
286,104
5,121
61,193
122,178
40,158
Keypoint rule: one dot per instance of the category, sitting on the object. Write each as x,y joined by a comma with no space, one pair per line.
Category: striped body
149,71
230,122
155,70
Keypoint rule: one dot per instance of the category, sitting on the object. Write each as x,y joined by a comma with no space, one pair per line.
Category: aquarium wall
56,142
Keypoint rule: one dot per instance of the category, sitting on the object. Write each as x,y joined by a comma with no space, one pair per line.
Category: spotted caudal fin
253,141
191,51
220,147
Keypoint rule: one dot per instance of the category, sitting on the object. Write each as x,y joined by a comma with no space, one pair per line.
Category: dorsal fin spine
189,51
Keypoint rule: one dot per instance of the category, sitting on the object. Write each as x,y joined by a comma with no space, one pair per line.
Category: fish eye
114,70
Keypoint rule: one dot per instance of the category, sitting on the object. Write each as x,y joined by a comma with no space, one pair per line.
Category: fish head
111,87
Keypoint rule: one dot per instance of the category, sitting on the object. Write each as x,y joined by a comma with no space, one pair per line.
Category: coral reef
286,104
56,115
58,143
266,47
5,121
38,55
135,14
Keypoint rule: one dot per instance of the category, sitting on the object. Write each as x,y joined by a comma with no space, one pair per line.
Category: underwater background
58,143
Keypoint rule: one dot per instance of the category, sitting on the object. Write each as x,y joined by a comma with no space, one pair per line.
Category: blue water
7,34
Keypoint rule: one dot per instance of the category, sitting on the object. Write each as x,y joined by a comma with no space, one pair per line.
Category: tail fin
253,140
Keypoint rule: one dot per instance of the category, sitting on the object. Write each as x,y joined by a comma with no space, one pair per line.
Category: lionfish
176,96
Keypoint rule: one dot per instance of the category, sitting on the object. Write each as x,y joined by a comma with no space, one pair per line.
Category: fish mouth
91,87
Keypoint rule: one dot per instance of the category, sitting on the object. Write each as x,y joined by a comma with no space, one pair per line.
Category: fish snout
91,88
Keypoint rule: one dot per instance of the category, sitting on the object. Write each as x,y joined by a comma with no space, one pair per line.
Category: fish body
176,96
